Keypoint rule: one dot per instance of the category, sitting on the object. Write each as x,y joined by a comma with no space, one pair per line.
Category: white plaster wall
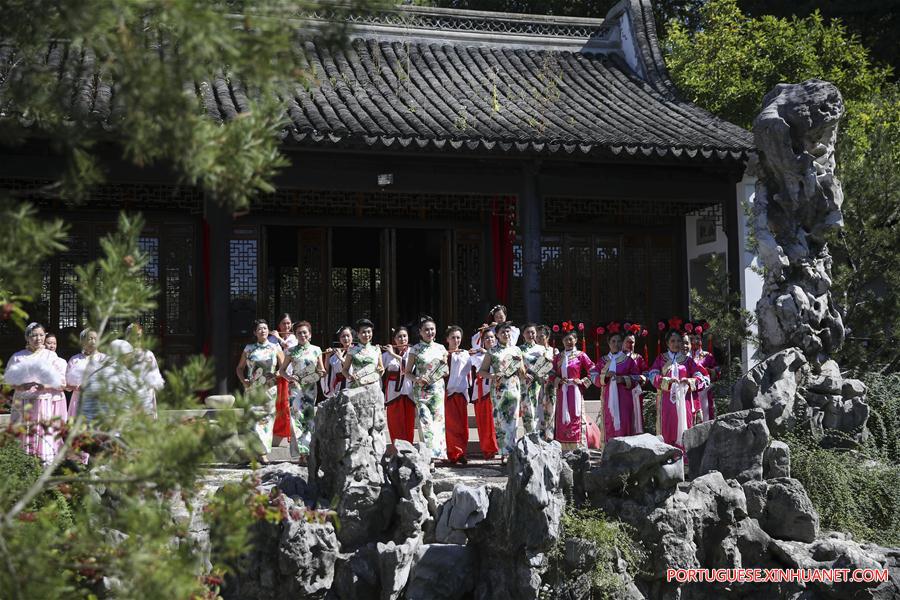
720,245
751,280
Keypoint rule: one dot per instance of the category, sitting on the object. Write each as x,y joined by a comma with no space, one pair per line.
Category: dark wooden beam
219,222
531,206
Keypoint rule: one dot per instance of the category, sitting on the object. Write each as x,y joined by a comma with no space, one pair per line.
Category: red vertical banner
502,238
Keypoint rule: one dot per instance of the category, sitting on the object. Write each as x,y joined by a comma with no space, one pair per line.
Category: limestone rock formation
635,466
782,508
345,463
522,523
798,201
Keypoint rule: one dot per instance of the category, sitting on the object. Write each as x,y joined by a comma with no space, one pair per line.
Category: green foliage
721,307
866,256
610,539
163,56
732,60
883,398
852,491
125,530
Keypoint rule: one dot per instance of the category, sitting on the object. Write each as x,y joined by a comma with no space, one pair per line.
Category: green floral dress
262,365
304,362
364,359
429,399
506,395
531,395
547,406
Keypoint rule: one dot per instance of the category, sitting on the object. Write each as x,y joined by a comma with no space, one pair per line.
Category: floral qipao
570,424
304,361
36,406
621,414
364,360
262,364
531,395
506,393
429,398
674,402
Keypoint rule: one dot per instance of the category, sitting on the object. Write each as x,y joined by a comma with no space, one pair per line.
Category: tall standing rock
345,463
797,203
522,524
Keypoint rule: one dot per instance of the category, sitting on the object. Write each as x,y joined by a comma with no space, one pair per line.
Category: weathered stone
694,441
773,385
307,553
442,572
736,445
777,460
634,466
345,463
827,380
853,388
782,508
798,199
395,562
465,510
522,524
408,471
356,575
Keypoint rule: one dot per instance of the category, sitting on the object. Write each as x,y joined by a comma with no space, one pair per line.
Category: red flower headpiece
555,328
581,327
601,330
675,323
689,327
614,327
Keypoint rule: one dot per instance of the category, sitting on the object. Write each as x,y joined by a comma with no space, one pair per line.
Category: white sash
612,398
564,373
678,395
636,392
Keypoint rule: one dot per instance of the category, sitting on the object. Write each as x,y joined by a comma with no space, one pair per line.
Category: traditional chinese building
444,160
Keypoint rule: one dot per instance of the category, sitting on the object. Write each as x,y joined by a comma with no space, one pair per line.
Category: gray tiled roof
533,87
382,93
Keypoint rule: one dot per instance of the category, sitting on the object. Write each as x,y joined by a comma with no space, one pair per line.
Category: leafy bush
20,471
884,421
612,539
852,490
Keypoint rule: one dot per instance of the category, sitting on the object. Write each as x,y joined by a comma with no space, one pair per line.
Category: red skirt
283,410
401,419
457,426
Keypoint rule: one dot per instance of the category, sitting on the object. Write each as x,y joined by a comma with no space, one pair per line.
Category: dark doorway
418,275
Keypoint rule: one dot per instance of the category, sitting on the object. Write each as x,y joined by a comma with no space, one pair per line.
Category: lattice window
311,284
179,284
243,257
469,256
560,212
337,298
552,277
150,246
579,289
606,267
70,313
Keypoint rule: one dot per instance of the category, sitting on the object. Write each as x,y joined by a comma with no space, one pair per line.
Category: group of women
41,380
428,385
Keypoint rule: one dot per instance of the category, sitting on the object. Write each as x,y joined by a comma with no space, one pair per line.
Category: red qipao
621,414
570,426
707,361
400,409
674,399
456,404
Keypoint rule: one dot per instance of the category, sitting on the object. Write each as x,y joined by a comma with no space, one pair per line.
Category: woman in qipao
571,377
282,336
401,412
81,366
481,397
616,376
546,413
506,366
257,370
496,317
305,362
38,404
675,376
704,359
640,361
531,394
428,392
334,380
362,362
